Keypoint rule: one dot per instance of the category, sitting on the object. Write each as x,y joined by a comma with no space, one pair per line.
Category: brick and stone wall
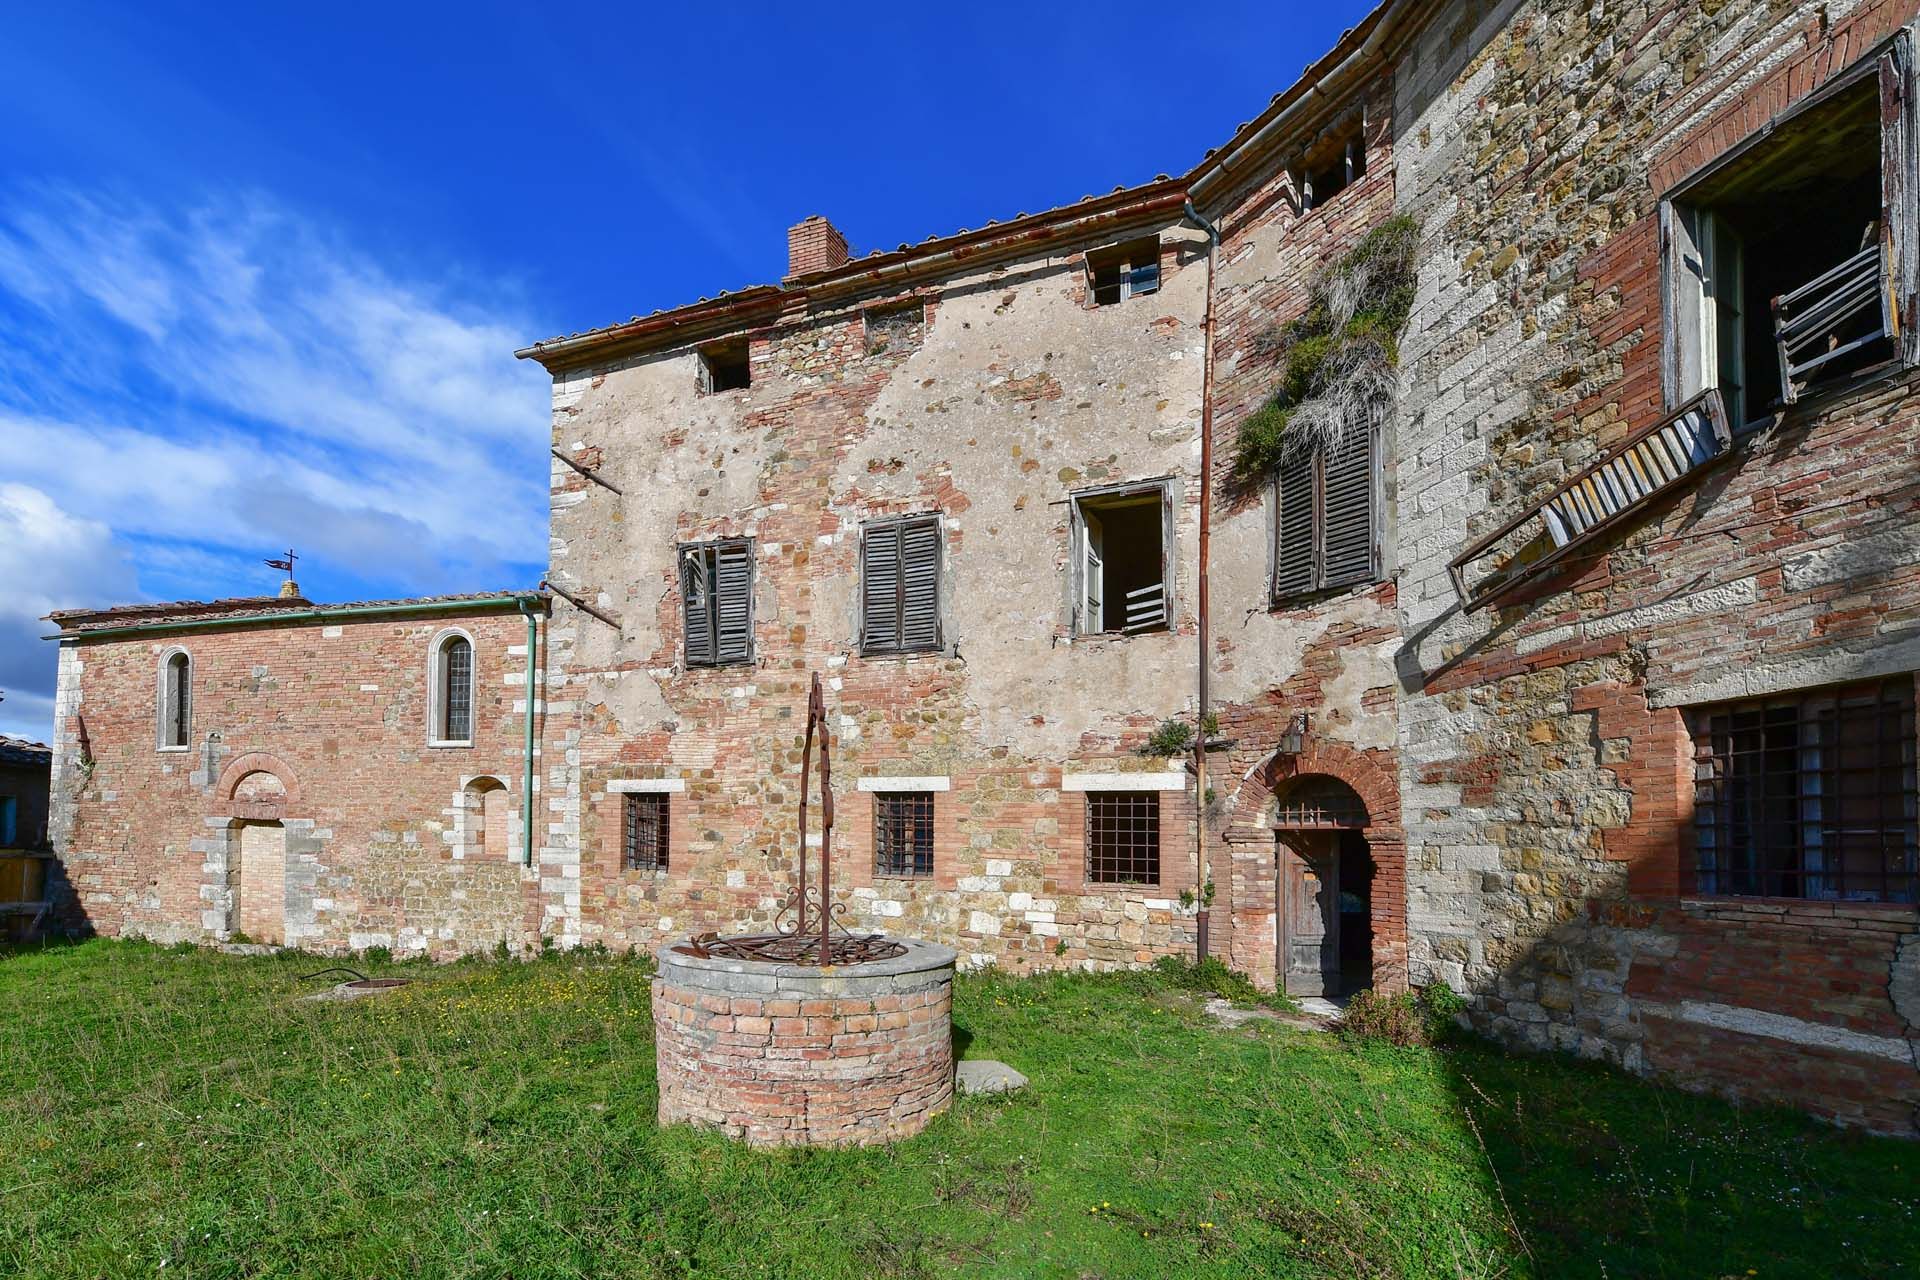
1544,744
309,749
798,1055
1011,394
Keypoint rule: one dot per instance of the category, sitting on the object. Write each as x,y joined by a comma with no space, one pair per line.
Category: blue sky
262,271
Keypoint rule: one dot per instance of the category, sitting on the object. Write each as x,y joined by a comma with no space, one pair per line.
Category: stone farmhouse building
1582,680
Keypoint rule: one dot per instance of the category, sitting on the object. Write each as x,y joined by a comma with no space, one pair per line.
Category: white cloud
49,559
271,384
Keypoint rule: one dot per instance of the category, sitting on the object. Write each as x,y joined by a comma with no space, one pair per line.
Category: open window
716,600
724,367
1783,258
1123,559
1330,168
1122,271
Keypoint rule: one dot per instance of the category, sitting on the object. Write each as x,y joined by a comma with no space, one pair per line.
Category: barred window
1123,837
644,845
453,713
1808,796
903,833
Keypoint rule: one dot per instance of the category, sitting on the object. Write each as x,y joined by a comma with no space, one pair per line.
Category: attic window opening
1124,270
724,367
1783,260
1332,169
1123,561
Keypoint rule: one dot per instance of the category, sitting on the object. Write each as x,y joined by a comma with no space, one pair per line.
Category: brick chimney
814,244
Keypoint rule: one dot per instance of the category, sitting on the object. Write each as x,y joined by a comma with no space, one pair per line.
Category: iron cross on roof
286,564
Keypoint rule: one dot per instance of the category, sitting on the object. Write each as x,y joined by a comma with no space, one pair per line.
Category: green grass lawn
184,1113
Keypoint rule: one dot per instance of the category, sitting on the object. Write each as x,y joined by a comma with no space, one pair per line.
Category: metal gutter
1203,694
315,614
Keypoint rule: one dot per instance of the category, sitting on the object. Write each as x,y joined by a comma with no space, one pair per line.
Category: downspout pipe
1204,630
526,774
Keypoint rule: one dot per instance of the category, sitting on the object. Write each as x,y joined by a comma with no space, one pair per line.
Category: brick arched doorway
1328,804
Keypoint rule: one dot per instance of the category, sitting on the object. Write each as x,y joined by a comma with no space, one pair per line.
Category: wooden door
1308,889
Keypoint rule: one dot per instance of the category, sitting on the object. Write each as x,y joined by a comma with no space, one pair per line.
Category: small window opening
903,833
896,327
9,823
644,844
1333,169
1120,272
1788,259
1124,564
724,367
177,703
1123,837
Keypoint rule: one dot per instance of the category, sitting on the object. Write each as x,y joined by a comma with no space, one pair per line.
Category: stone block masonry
797,1055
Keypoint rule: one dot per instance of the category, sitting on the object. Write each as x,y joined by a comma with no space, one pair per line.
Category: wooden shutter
696,604
920,584
1347,521
880,588
733,602
1293,559
1093,575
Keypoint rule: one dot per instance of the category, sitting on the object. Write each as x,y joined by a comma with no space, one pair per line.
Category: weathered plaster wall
1015,394
322,728
1541,743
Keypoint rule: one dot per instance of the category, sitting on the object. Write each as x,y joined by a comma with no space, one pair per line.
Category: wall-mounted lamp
1294,740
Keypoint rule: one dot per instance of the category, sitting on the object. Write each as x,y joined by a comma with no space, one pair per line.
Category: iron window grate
903,833
1123,837
1809,796
645,844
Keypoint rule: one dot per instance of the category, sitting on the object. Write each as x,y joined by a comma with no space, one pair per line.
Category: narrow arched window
453,698
176,700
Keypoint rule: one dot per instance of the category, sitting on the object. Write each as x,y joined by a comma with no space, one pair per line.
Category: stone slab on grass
984,1075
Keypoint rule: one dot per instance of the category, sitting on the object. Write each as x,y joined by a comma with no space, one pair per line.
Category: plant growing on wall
1337,360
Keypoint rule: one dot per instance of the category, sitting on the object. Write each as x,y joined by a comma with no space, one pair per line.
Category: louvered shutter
920,584
696,604
733,602
1347,522
1293,543
880,581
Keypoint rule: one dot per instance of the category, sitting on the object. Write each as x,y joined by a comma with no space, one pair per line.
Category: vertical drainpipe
526,775
1205,630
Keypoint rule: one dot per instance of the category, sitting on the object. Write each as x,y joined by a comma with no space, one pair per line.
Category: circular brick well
800,1055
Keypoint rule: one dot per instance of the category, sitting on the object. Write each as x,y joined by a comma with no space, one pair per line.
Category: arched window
452,710
176,701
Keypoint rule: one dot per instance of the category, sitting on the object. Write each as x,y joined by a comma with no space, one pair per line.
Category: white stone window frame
925,782
1174,780
436,712
1687,331
163,700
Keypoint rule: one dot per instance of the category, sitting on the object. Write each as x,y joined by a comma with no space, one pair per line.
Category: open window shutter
880,571
1896,196
920,584
1347,547
1293,541
1093,576
733,602
696,605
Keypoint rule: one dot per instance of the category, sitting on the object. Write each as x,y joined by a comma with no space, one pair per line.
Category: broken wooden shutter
1293,539
696,604
1346,525
733,602
880,583
1093,575
920,584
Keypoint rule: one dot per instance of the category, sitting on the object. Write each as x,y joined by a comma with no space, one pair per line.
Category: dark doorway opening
1324,875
